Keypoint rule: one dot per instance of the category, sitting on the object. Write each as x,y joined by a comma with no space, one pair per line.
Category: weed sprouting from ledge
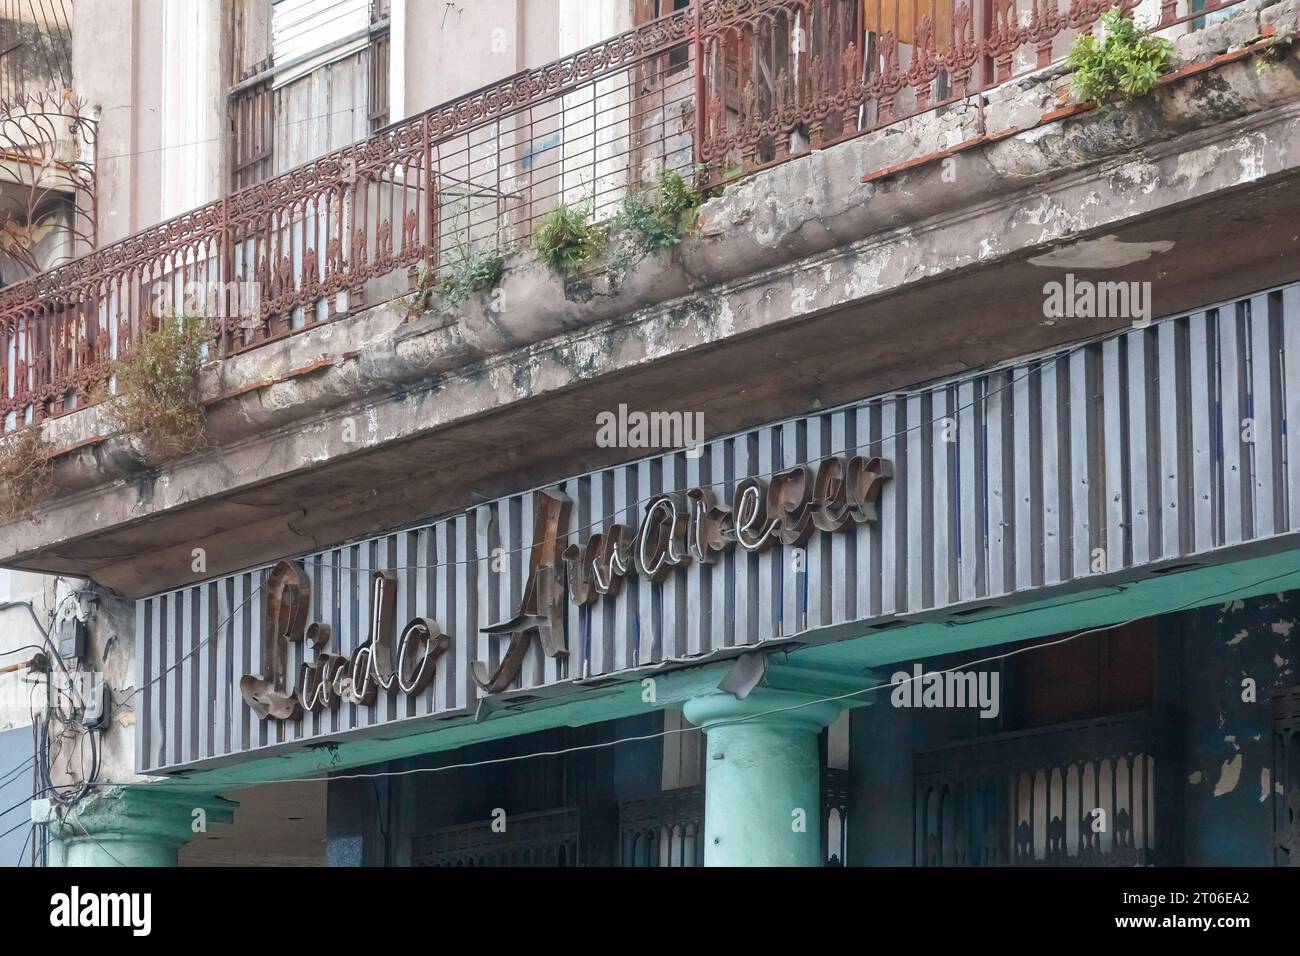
157,388
567,240
25,472
1123,64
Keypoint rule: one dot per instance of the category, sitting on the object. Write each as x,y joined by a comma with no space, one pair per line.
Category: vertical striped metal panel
1153,447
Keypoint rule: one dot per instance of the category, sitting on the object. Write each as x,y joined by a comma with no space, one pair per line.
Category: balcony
837,228
714,92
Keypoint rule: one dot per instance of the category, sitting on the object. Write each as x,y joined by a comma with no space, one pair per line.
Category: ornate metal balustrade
667,829
35,48
1078,794
781,77
549,838
355,225
717,89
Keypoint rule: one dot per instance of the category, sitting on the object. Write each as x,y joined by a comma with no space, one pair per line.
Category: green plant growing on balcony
1274,52
157,388
25,471
567,240
702,176
662,222
471,270
421,299
1123,64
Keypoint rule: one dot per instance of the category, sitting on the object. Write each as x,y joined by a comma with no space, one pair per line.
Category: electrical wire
24,823
23,848
41,729
136,691
599,522
595,523
1032,365
22,803
217,139
12,775
376,775
77,820
87,781
44,632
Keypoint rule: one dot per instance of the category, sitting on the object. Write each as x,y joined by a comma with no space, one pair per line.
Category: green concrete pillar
762,785
131,826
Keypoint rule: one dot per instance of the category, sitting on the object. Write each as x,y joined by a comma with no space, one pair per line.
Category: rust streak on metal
75,446
316,366
244,390
943,154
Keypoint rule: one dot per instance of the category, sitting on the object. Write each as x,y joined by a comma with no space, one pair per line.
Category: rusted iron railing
356,224
773,78
782,77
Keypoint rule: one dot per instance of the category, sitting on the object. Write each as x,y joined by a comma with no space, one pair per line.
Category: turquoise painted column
131,826
762,786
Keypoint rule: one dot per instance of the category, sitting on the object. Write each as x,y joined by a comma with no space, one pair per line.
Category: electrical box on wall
74,635
98,700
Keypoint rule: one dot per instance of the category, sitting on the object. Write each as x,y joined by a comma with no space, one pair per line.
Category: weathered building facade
930,501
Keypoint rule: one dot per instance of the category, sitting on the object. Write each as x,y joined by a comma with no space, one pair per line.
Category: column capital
133,825
774,689
762,706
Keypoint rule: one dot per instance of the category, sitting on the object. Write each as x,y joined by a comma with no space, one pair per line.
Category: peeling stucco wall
1223,811
1234,654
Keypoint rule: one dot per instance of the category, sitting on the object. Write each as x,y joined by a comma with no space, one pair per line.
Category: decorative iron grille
666,829
35,48
549,838
1077,794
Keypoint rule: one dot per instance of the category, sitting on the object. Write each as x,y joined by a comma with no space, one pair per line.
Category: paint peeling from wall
1229,776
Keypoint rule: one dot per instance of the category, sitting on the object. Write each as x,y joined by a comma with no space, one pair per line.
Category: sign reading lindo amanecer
675,529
